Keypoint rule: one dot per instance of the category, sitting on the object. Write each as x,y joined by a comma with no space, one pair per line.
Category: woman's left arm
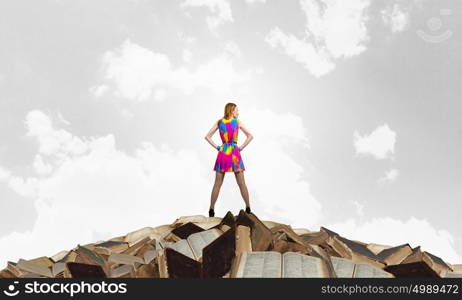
208,136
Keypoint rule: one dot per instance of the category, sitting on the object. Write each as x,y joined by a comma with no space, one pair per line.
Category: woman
229,154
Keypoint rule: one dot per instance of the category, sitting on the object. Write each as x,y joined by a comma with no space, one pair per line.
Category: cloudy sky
354,107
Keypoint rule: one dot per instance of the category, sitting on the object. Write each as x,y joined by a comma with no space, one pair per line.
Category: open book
179,260
394,255
419,264
192,246
351,249
270,264
346,268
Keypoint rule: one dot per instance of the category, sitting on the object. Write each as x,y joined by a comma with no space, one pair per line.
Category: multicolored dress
229,155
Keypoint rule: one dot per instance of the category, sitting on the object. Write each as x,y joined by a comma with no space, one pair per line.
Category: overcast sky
354,106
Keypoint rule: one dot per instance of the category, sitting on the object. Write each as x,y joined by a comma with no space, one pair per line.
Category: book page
449,274
162,264
363,270
199,240
243,241
297,265
183,247
343,267
261,264
34,268
162,244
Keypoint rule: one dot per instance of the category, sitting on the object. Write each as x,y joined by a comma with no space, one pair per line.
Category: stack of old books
234,247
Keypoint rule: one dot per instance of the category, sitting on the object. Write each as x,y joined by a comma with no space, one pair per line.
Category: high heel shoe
247,209
211,212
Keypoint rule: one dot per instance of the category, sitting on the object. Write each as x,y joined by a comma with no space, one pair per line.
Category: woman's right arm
247,133
209,135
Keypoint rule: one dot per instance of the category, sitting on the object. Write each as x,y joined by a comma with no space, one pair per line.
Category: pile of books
234,246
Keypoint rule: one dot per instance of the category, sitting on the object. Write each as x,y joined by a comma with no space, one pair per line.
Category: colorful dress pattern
229,156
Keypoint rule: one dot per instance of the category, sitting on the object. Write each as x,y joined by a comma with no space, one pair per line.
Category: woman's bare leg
219,176
243,187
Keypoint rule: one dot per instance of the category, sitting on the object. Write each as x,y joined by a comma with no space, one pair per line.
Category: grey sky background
354,105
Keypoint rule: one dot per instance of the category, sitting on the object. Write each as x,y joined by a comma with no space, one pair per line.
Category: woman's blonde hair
229,107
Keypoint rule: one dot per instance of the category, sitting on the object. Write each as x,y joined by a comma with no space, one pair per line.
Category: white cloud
359,208
57,143
126,113
233,49
160,94
40,166
4,174
220,9
99,90
188,40
23,187
395,17
393,232
62,120
323,25
380,143
317,61
389,176
187,55
137,73
324,40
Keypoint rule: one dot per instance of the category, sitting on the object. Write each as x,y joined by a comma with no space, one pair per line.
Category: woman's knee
219,178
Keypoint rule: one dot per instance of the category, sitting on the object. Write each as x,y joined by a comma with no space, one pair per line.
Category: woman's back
229,156
229,130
